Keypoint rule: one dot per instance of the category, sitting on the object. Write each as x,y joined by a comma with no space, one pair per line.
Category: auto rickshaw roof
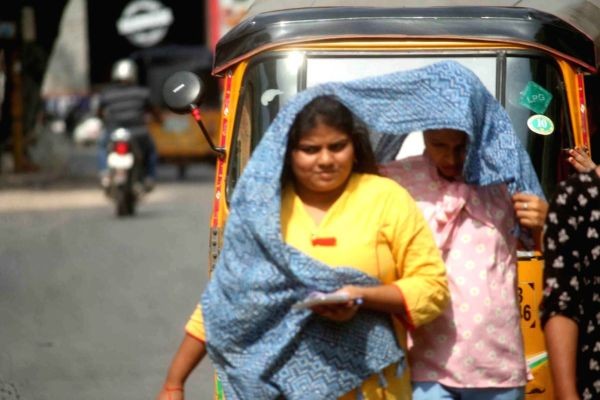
568,28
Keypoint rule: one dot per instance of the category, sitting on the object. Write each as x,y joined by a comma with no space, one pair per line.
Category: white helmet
124,70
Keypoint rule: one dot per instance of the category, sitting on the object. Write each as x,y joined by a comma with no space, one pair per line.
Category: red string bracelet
172,389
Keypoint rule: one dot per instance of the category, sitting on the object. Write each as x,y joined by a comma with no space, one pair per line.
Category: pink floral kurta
477,342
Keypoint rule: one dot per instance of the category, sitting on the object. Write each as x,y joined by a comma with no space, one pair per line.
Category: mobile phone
320,298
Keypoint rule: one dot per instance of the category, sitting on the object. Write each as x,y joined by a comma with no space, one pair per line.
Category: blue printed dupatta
259,346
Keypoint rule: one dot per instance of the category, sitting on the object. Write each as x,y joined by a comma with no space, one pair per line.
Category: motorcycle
126,172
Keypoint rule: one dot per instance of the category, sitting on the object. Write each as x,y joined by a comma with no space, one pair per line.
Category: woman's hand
580,159
341,312
191,351
531,210
167,393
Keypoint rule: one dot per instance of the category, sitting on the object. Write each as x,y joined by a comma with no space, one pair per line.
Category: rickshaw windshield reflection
528,86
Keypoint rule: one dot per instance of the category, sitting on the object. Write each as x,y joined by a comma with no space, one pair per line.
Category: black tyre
130,203
124,202
182,171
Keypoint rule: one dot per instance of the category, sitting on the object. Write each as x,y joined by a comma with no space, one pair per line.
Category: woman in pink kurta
475,347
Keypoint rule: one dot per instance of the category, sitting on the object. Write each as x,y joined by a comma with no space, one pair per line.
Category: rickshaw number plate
527,303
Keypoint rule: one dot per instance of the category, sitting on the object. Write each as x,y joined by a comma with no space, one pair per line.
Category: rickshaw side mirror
182,93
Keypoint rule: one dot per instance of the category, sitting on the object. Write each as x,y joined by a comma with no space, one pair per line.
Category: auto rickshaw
537,58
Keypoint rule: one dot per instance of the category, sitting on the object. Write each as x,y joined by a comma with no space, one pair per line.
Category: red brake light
122,148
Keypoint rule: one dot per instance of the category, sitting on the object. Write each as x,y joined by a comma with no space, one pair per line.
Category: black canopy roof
570,29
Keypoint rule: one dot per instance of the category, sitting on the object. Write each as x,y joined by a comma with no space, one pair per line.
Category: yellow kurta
377,229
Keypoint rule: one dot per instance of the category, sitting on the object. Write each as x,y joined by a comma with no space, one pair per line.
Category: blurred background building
54,55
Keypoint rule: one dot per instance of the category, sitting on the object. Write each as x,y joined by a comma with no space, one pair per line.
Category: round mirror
181,90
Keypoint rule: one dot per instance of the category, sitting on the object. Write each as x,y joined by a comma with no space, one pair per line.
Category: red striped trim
220,173
583,110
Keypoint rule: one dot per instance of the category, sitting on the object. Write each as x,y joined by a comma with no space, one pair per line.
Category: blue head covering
260,348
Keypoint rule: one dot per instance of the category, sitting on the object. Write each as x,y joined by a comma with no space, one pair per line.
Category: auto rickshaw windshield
528,85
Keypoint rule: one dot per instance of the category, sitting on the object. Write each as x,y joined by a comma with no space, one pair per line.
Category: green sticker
540,124
535,98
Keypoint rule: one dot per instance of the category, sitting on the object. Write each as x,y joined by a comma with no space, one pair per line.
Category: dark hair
330,111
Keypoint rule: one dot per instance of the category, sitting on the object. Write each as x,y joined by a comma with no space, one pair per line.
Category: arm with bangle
191,351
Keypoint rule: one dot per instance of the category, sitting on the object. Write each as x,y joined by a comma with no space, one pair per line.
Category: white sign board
145,22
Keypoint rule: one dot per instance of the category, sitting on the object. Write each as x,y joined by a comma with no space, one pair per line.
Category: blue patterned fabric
259,346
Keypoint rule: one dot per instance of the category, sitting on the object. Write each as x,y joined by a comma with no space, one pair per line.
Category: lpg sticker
535,98
540,124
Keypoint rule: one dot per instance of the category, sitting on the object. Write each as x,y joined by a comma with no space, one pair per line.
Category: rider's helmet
124,70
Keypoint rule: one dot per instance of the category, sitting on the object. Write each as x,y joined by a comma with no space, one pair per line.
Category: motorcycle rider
124,104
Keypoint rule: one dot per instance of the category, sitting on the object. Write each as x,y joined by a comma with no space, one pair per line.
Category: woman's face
447,148
323,159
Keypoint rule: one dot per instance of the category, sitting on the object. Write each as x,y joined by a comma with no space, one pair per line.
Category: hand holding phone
320,298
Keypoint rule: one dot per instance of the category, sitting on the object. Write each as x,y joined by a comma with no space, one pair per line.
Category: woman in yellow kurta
336,209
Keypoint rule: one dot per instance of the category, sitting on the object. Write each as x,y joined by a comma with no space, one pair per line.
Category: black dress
572,271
